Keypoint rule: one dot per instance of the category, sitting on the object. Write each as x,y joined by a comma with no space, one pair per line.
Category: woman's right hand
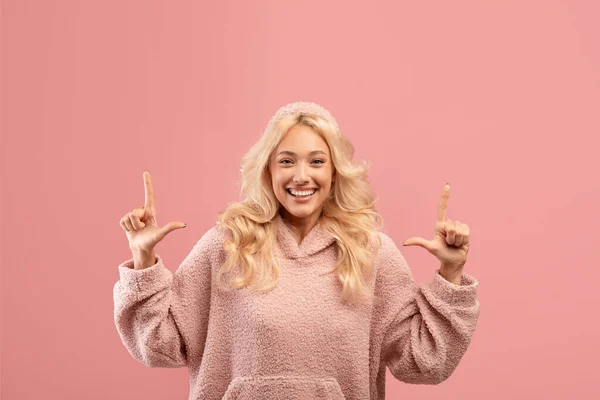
140,225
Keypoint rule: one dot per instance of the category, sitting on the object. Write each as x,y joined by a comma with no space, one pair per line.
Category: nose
300,175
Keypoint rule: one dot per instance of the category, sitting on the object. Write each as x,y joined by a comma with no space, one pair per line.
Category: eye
287,159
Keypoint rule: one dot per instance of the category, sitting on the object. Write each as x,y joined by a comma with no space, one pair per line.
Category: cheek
325,180
277,180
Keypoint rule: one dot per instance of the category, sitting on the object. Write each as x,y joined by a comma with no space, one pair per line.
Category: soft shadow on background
500,99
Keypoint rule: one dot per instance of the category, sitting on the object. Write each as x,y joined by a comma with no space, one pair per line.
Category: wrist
141,252
143,259
452,274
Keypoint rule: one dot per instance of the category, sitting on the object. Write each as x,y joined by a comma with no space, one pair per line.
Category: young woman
296,293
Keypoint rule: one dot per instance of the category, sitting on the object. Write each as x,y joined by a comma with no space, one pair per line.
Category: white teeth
303,193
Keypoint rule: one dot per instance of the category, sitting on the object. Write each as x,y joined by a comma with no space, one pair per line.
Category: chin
300,210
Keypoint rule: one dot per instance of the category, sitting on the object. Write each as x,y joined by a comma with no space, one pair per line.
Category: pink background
501,99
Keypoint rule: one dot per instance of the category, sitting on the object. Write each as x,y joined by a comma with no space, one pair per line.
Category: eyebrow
291,153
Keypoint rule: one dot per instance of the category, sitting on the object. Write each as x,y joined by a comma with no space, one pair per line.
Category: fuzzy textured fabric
297,341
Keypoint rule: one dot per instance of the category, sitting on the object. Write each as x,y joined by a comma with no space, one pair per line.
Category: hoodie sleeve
425,329
161,317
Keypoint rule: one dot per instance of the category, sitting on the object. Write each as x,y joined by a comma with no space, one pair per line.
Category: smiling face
301,161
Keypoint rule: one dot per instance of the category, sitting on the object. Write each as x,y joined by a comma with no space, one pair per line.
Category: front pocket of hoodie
283,387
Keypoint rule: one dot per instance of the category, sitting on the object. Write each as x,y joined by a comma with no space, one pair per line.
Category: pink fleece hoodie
297,341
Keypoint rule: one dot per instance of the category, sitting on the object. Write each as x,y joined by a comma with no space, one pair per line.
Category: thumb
418,241
168,228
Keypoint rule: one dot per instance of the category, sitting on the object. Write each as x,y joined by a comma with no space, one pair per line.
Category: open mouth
301,196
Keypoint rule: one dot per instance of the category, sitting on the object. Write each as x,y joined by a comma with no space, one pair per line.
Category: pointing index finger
149,191
441,214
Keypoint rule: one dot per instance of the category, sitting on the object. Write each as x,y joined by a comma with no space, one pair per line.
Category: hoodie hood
287,246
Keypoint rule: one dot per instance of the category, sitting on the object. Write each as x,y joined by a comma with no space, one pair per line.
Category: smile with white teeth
305,193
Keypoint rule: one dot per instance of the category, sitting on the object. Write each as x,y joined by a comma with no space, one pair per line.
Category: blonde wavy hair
348,214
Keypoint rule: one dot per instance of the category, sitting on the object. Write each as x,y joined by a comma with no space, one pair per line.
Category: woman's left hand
451,242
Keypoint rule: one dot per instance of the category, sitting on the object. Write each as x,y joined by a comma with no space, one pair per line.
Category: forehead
302,139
